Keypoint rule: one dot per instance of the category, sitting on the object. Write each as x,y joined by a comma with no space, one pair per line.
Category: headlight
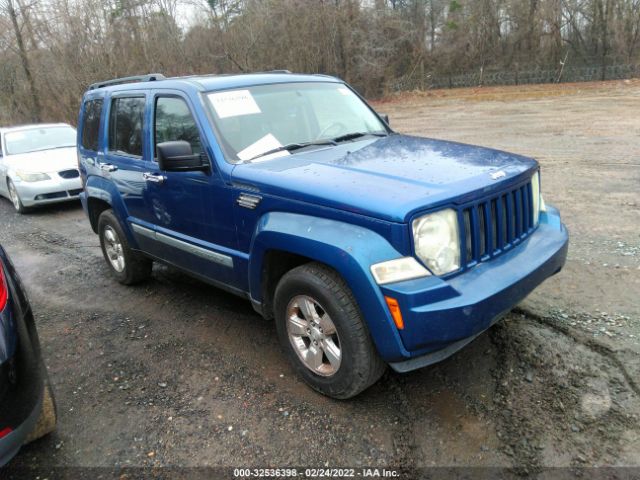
437,241
32,177
398,270
538,201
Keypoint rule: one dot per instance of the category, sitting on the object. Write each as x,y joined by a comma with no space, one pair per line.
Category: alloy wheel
113,247
313,336
13,193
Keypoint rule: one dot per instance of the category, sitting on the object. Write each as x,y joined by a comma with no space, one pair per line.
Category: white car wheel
15,197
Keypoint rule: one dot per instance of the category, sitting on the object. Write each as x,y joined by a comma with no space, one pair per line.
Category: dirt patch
563,402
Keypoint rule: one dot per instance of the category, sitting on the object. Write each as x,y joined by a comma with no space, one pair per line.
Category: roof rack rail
273,71
323,75
150,77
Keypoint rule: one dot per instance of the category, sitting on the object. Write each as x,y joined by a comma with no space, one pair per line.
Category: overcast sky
189,12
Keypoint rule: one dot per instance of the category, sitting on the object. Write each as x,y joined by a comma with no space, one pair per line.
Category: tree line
51,50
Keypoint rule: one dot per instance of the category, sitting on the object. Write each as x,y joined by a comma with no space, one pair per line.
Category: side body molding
347,248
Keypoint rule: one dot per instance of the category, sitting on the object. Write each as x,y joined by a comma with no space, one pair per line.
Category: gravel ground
175,373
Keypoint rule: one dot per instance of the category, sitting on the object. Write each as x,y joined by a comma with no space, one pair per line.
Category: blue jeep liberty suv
367,247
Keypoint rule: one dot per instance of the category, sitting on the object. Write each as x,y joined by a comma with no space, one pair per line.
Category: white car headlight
535,190
32,177
398,270
538,201
437,241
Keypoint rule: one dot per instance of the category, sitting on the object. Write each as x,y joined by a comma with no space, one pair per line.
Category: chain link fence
485,77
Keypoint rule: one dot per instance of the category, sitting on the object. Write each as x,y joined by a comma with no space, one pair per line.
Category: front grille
495,224
69,174
75,193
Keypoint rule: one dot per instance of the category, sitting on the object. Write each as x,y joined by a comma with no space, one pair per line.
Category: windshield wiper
297,146
354,135
293,147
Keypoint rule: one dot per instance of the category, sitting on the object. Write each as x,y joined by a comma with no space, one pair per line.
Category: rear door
126,154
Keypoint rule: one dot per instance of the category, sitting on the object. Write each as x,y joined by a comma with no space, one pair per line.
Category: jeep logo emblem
498,174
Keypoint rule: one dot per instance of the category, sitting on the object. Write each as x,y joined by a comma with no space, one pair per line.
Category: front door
191,210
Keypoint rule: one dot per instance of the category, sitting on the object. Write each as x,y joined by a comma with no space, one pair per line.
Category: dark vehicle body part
23,378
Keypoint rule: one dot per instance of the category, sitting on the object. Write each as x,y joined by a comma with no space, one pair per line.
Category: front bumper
48,191
442,315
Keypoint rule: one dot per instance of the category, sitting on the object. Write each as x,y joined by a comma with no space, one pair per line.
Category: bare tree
64,45
10,7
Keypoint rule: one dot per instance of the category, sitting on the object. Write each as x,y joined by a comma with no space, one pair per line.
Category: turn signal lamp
396,314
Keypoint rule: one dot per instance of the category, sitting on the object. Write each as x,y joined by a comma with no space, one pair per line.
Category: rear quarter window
91,124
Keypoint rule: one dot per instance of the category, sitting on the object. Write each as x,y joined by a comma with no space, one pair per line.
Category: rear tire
128,266
323,333
48,416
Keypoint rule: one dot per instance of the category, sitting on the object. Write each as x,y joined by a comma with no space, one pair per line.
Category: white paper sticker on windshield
344,91
234,103
266,143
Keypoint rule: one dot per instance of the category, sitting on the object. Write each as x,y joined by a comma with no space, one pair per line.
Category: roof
206,83
32,126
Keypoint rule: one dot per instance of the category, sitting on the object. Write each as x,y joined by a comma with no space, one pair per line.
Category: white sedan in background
39,165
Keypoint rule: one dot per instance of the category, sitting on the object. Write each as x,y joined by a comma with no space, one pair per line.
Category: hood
44,161
389,178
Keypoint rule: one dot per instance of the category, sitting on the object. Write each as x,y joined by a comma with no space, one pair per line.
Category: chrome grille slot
511,210
505,224
517,213
494,225
527,193
482,232
467,235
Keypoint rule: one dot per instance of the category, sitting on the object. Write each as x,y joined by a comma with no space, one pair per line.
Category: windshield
35,139
266,118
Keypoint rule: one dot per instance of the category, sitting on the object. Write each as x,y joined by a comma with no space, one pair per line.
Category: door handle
153,177
107,167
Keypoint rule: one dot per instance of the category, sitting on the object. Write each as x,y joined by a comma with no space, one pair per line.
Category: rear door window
126,122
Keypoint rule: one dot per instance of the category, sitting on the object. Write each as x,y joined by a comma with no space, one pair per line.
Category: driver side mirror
177,156
385,117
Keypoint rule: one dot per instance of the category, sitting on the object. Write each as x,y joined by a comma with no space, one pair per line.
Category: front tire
15,197
323,333
128,266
